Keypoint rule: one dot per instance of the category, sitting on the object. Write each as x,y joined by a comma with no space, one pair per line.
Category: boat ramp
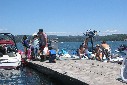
80,72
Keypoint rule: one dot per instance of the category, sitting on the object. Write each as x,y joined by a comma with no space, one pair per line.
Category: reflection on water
25,76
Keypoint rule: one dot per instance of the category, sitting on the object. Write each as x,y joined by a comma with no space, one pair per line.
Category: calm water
25,76
29,76
74,45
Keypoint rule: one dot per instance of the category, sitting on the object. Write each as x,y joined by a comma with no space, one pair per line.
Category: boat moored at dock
10,58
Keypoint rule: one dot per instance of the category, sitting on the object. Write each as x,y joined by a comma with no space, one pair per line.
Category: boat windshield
6,38
7,43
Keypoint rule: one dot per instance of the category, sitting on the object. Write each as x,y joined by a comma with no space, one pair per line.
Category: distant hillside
114,37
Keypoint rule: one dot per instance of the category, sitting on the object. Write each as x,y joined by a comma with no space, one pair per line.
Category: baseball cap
40,30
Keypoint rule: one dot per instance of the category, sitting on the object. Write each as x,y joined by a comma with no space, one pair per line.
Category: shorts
42,48
52,58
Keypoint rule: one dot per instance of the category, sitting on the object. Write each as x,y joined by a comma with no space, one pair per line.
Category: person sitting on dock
88,54
98,53
52,55
81,51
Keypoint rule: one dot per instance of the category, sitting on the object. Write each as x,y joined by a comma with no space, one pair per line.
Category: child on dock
52,55
25,42
35,46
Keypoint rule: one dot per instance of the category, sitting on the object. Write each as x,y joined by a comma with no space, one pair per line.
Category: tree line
113,37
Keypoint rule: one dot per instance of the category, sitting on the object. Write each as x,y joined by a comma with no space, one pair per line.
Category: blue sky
63,16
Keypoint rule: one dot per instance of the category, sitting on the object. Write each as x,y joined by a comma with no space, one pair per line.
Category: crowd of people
100,52
37,48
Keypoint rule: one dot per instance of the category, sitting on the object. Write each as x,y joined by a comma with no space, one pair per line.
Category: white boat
10,58
119,55
124,68
122,57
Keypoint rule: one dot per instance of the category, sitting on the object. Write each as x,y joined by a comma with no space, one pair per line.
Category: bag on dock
45,51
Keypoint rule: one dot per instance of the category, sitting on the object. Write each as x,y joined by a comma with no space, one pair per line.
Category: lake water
69,46
25,76
28,76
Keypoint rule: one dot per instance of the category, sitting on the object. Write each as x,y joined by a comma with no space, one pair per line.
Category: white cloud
1,30
111,31
65,33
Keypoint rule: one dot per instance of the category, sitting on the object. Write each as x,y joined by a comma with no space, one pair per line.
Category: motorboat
10,57
117,57
124,67
119,54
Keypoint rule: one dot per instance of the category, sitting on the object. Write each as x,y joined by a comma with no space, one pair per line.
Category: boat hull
7,62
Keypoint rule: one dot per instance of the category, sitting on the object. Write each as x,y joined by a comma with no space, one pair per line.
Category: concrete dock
80,72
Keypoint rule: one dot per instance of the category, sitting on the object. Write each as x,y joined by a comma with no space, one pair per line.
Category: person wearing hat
35,44
42,43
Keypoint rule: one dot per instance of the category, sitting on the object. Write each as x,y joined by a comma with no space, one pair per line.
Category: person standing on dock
42,43
35,45
106,51
25,43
